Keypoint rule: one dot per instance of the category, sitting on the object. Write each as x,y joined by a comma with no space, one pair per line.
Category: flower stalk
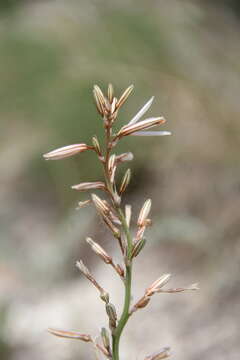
118,221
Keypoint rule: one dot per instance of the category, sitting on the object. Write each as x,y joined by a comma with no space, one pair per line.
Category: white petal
141,112
152,133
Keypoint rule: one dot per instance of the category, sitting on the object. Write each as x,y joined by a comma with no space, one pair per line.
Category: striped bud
66,151
111,312
98,104
125,181
159,355
158,284
119,270
124,96
89,186
138,247
100,204
103,350
110,93
112,227
105,338
141,125
96,145
111,162
113,108
99,251
144,212
70,335
99,97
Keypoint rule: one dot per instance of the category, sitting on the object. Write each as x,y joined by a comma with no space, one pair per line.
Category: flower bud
66,151
105,338
99,251
144,212
138,247
124,96
125,181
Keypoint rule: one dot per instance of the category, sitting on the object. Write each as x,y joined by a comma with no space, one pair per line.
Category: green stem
128,282
116,335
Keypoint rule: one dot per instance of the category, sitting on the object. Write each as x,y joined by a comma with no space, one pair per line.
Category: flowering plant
116,219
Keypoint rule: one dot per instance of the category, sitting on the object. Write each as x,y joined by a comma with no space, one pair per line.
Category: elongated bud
111,312
103,350
111,162
89,186
66,151
98,104
158,284
100,97
113,172
144,212
99,251
141,125
125,181
138,247
105,338
100,204
114,108
112,227
96,145
70,334
128,214
110,93
124,157
124,96
159,355
120,270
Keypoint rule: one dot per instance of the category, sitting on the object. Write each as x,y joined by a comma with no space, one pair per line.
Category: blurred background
184,52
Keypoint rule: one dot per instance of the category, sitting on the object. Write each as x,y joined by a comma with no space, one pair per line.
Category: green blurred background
187,54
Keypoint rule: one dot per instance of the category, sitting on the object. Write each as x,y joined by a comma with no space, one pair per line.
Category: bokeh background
187,54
